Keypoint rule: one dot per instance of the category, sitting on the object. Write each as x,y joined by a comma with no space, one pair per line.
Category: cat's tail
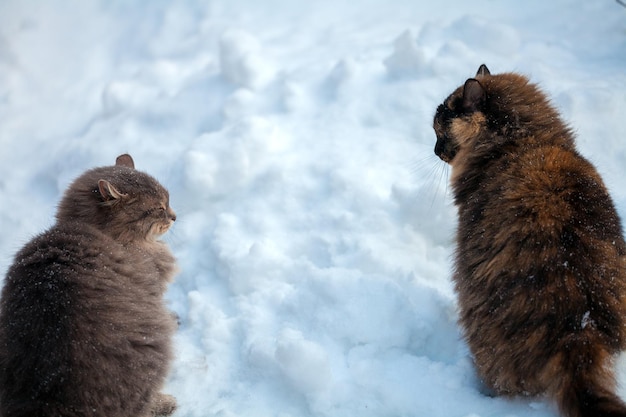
588,390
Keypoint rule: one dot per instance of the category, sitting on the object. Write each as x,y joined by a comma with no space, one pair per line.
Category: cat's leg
163,405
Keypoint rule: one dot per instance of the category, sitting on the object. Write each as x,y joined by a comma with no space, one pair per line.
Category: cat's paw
163,405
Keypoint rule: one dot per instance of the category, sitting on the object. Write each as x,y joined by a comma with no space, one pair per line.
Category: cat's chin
154,237
445,158
158,230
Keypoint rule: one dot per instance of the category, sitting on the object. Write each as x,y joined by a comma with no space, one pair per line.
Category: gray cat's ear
109,192
482,71
125,161
474,96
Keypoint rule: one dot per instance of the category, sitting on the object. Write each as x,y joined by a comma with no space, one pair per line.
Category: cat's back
535,221
46,280
74,294
76,256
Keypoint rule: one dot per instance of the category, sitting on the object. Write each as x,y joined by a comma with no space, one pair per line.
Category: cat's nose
172,215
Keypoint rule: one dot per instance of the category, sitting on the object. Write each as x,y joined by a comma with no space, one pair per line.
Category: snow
315,225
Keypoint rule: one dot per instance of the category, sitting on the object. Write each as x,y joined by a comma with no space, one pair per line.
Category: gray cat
84,330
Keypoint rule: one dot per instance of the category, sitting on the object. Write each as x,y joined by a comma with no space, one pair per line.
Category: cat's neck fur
517,112
517,118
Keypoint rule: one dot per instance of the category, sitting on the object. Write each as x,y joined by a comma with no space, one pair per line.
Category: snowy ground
315,227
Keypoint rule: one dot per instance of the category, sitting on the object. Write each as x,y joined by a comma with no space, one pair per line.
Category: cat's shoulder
68,237
68,246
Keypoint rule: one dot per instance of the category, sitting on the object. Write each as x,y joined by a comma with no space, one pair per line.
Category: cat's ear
474,96
125,161
482,71
109,192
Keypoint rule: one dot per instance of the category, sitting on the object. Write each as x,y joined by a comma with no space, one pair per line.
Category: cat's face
459,119
446,147
119,200
142,207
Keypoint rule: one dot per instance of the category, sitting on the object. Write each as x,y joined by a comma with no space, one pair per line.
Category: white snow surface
315,225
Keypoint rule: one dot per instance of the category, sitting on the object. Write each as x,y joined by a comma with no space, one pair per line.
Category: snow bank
315,226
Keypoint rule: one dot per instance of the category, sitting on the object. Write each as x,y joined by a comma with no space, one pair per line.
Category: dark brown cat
540,260
83,326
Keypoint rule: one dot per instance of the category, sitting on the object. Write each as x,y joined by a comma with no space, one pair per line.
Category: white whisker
430,171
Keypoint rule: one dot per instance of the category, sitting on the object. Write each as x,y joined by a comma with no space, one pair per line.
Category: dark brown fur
540,260
83,326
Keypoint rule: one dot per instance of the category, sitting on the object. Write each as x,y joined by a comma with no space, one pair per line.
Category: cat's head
459,118
489,110
120,201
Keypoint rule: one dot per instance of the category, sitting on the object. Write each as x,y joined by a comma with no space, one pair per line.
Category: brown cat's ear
125,160
482,71
109,192
474,96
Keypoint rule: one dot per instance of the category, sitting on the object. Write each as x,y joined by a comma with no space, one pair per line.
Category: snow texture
315,225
